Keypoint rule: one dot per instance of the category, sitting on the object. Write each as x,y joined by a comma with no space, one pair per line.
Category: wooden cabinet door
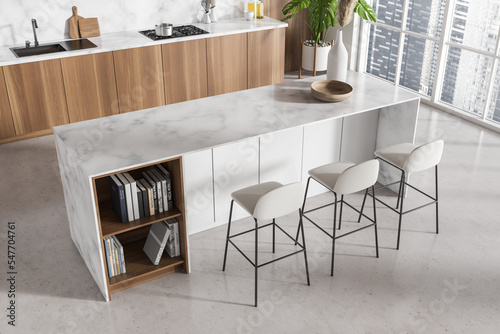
90,86
185,68
6,123
139,78
266,57
36,95
227,64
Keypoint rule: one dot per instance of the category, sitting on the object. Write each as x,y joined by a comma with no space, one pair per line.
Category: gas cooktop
178,31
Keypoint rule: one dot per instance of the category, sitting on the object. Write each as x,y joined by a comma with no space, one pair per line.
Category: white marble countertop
113,143
133,39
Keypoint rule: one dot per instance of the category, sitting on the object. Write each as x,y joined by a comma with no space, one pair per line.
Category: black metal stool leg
400,212
341,205
301,225
375,219
256,257
363,205
303,205
334,229
400,191
437,209
274,235
227,237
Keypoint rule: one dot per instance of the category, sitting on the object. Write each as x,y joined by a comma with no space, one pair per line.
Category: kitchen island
218,144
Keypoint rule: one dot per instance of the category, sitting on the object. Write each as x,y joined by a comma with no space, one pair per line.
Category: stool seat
344,178
269,200
410,158
328,174
248,197
396,154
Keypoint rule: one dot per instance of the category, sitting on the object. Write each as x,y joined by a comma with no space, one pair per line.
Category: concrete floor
434,284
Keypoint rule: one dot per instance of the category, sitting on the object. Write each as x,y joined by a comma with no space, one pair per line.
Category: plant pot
321,57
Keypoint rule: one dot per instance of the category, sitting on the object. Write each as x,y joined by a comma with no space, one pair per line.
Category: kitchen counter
124,141
133,39
376,115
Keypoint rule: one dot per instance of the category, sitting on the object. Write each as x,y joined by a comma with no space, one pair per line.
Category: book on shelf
142,194
163,181
140,203
107,252
128,196
115,256
159,190
121,254
166,175
152,184
133,190
173,245
118,201
158,235
150,200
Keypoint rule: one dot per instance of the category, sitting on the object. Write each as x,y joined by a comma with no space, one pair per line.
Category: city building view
468,76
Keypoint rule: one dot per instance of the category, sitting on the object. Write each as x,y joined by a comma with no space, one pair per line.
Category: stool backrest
280,201
425,156
357,177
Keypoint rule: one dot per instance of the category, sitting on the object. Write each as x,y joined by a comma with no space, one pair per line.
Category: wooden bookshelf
132,235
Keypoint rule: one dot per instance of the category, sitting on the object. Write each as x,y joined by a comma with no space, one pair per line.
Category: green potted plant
322,15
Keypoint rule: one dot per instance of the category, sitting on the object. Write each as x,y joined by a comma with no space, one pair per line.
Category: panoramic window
445,50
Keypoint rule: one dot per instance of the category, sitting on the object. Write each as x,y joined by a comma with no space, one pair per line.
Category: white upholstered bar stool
344,178
410,158
268,201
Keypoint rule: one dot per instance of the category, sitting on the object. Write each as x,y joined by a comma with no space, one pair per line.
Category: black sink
38,50
71,45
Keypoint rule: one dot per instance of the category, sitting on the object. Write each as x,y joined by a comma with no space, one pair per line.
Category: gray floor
433,284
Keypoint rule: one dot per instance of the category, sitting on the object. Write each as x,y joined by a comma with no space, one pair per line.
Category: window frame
444,43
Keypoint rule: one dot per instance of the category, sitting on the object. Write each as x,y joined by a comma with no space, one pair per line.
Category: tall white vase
337,60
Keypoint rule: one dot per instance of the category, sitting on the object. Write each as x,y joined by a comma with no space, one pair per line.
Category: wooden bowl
331,90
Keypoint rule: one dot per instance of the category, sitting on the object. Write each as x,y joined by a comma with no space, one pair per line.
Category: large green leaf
363,9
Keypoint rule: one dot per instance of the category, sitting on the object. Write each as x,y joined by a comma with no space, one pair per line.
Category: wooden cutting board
89,27
73,24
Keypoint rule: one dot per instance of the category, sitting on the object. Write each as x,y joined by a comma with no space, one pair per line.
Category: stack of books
163,236
115,257
133,199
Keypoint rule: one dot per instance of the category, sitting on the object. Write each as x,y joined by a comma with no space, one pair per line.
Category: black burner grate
179,31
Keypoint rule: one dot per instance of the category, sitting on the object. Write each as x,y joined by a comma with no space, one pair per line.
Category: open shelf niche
132,235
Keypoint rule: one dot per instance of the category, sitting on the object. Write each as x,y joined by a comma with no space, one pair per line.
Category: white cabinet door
321,147
281,156
236,166
359,137
198,191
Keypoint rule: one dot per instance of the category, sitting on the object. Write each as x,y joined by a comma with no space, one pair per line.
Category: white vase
337,60
308,57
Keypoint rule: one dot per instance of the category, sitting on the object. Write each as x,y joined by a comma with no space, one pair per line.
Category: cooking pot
164,29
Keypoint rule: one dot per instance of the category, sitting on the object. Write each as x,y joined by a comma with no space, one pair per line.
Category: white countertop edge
172,155
133,39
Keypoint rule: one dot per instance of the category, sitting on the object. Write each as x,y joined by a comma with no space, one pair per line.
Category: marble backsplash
114,15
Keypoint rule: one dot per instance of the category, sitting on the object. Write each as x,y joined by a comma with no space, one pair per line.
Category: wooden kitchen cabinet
185,65
36,95
6,123
90,86
139,78
266,57
227,64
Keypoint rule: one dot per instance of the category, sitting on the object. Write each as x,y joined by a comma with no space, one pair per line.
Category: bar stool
267,201
344,178
409,158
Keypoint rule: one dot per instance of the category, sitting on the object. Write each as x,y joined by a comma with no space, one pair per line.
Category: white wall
113,15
